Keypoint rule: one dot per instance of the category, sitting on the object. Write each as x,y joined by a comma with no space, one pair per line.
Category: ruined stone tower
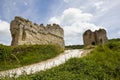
24,32
94,38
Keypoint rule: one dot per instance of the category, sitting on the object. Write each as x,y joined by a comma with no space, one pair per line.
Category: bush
5,52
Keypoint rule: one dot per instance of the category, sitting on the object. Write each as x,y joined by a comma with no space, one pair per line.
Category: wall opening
23,35
13,35
14,40
101,41
93,43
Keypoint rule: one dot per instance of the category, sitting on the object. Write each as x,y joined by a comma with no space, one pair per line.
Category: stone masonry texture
94,38
24,32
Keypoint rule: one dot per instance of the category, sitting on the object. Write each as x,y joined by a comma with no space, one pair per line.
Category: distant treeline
74,47
82,46
115,39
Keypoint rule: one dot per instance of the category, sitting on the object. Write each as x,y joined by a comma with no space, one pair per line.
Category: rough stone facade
94,38
24,32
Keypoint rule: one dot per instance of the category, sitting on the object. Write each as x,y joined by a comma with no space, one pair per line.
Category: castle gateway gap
94,38
24,32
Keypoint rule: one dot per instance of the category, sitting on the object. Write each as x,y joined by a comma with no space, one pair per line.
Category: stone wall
94,38
25,32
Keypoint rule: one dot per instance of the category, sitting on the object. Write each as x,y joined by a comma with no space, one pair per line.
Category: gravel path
44,64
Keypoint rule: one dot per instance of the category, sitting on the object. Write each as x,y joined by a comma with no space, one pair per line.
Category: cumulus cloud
72,15
5,37
74,23
79,28
54,20
73,33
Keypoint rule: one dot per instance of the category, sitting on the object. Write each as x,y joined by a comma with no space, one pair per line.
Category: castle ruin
24,32
94,38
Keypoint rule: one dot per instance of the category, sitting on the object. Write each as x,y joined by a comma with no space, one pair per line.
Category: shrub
5,52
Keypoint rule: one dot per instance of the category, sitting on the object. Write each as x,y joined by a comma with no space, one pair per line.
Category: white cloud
5,37
74,23
98,4
104,7
54,20
73,33
72,15
79,28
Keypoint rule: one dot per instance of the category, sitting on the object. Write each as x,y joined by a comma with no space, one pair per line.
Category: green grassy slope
102,64
12,57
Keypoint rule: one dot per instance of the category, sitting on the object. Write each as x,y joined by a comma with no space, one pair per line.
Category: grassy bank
17,56
102,64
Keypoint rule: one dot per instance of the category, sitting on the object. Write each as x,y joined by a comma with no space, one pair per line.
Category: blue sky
74,16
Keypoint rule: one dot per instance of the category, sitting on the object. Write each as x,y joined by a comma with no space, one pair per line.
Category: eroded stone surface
24,32
94,38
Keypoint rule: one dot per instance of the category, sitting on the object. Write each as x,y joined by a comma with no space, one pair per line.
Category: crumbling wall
94,38
24,32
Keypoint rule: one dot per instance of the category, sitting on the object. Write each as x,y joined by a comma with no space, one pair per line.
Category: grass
102,64
17,56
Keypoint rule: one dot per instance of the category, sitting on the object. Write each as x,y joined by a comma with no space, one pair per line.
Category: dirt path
62,58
